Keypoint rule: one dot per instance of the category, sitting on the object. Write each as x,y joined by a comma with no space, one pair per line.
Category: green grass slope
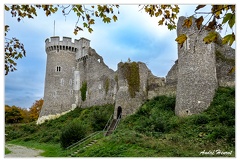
153,131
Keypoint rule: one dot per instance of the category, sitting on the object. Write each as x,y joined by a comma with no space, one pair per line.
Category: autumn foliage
14,114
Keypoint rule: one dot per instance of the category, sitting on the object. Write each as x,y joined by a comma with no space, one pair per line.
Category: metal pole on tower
54,29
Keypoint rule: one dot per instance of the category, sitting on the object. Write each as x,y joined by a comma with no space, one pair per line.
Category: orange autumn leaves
14,114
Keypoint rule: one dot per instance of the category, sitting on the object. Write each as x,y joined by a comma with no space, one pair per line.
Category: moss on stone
131,73
83,90
106,85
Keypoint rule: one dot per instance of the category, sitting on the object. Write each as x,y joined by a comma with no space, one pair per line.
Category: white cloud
135,35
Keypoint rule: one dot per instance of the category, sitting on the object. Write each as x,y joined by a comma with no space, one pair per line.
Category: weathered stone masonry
201,69
194,77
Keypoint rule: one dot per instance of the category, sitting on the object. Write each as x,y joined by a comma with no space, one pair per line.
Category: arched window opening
63,47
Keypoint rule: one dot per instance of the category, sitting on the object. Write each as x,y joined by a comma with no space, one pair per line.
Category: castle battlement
54,43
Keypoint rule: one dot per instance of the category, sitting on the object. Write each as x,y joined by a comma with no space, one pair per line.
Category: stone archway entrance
119,112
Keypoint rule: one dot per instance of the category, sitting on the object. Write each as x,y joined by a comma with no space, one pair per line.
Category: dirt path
21,151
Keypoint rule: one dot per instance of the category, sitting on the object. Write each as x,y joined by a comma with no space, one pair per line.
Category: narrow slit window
58,68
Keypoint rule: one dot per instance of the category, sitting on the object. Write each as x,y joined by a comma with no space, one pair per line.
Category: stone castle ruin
76,76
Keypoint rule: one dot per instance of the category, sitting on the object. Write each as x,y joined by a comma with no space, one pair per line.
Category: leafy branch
166,13
88,13
212,24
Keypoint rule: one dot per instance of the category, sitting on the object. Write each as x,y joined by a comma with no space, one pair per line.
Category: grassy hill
153,131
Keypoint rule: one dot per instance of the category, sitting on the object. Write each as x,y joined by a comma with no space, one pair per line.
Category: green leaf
211,37
75,9
160,22
231,22
10,49
114,18
228,39
91,21
226,18
171,27
176,9
90,30
106,20
181,39
85,25
6,27
7,8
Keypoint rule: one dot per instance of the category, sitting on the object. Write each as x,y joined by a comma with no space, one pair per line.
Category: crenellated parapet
79,47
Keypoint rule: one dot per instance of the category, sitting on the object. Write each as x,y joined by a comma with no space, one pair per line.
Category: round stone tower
62,79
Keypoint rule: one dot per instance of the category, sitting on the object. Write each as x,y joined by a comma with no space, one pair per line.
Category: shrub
200,119
72,133
30,128
99,120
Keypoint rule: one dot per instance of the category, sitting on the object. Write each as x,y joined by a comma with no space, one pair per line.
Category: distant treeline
14,114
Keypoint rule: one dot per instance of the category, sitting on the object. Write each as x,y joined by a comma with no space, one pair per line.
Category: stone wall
197,77
58,92
100,81
129,104
225,61
194,77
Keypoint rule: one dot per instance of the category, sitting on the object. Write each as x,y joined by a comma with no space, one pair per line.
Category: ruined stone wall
100,81
193,78
225,61
128,103
197,77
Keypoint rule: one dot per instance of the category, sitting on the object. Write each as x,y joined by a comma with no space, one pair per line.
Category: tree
219,15
13,114
35,110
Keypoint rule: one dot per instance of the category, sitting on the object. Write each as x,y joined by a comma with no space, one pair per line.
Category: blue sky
135,35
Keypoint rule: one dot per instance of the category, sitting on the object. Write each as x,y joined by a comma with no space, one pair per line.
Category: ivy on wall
83,90
131,73
106,85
